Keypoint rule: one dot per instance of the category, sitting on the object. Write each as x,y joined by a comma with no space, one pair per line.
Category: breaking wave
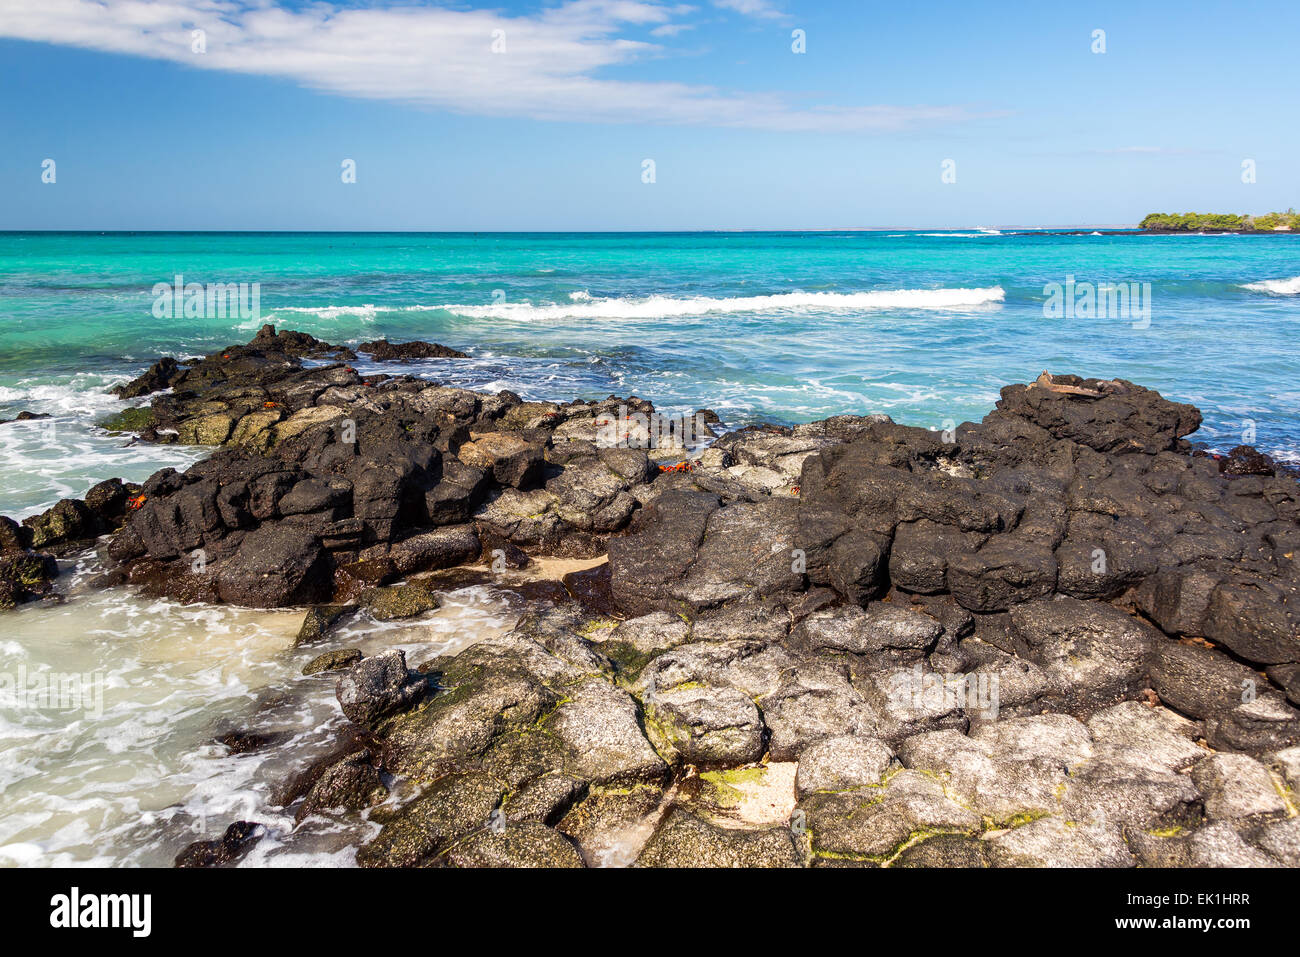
1276,287
662,307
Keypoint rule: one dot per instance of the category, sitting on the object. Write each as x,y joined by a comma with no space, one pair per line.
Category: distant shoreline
920,230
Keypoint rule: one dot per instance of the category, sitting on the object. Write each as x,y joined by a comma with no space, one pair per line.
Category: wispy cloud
554,65
763,9
1118,150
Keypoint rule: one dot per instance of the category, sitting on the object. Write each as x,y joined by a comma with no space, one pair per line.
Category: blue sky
552,131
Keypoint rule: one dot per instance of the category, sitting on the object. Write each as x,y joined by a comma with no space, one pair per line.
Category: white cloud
763,9
553,67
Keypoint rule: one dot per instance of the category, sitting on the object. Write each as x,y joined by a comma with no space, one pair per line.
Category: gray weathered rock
842,762
684,840
706,726
1052,842
599,728
1236,786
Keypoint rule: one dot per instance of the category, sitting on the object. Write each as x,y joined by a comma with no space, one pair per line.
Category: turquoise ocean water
781,327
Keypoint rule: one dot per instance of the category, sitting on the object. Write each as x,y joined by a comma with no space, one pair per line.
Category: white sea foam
1276,287
665,307
135,780
366,313
81,394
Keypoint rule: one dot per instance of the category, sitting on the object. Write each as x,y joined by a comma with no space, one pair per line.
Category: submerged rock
230,848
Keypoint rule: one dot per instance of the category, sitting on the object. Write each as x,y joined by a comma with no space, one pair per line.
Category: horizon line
664,229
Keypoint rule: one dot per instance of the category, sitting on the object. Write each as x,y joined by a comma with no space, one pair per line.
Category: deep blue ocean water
782,327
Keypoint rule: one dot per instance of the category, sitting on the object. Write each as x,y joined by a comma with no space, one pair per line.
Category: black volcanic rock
381,350
157,377
795,592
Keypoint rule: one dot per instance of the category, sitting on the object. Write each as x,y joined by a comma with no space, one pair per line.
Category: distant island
1220,223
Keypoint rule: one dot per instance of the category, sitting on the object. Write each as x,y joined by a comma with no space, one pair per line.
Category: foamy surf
130,771
667,307
1276,287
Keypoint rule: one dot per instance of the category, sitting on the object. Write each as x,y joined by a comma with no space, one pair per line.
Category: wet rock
27,416
449,809
25,576
230,848
378,687
1246,460
485,698
381,350
244,742
367,575
441,548
158,376
352,784
107,501
590,588
14,538
332,661
522,844
318,621
684,840
611,825
66,527
398,601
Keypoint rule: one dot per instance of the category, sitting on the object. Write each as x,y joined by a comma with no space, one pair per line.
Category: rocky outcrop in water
1062,635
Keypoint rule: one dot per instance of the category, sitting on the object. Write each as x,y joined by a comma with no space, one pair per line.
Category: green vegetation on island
1221,222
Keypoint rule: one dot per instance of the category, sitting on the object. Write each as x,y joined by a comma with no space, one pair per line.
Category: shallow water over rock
114,709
